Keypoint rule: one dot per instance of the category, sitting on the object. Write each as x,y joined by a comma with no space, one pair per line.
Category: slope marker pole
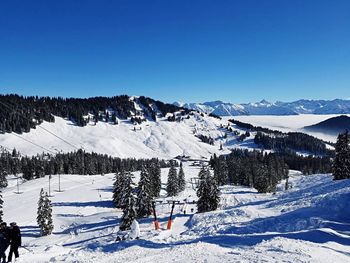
170,221
156,223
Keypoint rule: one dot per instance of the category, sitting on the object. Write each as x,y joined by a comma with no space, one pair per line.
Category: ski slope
161,139
308,223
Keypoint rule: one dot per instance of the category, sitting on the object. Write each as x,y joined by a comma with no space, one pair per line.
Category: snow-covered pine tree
144,194
341,164
3,179
48,216
40,214
220,170
155,177
122,187
181,179
208,192
129,213
172,184
214,193
118,187
1,204
262,180
44,214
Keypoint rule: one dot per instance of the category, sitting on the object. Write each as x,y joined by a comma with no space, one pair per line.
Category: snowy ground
161,139
308,223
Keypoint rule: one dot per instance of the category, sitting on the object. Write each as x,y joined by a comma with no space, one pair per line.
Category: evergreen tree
123,186
3,179
172,184
40,215
181,179
220,170
208,192
262,181
155,178
341,165
1,204
129,213
144,195
118,186
44,214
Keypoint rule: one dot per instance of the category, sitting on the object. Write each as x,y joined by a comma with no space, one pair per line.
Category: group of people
9,236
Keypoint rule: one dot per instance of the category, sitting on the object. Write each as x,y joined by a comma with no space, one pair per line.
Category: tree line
77,162
250,168
282,142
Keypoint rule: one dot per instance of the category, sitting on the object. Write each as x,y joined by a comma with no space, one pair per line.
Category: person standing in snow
135,230
15,239
4,241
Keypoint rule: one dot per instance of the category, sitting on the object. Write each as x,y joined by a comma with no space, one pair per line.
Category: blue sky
181,50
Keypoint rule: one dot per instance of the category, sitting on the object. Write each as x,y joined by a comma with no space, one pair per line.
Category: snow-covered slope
162,139
308,223
268,108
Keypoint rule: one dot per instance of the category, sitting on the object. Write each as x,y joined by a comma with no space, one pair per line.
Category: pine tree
341,165
172,184
118,187
3,179
144,195
155,177
262,181
208,192
1,204
220,171
48,216
40,215
44,214
129,213
181,179
123,186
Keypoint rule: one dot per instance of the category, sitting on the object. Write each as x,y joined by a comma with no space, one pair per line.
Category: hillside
332,126
308,223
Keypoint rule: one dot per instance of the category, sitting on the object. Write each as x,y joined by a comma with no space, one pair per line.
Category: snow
161,139
308,223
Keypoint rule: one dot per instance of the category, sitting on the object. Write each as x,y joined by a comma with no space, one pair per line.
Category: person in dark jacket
4,241
15,239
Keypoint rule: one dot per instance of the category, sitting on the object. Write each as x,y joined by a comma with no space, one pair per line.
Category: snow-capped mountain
264,107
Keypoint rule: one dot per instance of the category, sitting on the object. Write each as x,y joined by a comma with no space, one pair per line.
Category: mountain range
220,108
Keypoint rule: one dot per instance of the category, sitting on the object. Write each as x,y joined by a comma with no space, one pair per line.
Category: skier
16,240
4,241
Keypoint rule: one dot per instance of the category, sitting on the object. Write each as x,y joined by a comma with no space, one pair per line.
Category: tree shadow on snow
90,227
102,204
30,231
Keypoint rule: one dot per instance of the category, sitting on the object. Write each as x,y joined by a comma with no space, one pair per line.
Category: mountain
334,125
264,107
20,114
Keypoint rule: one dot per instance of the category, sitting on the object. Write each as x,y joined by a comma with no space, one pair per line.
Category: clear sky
177,50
